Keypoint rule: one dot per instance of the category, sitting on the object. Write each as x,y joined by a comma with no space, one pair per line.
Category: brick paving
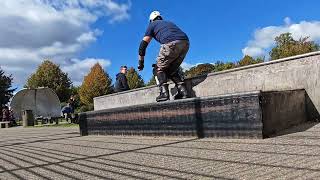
60,153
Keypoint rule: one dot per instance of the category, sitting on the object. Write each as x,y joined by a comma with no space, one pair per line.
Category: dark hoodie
121,83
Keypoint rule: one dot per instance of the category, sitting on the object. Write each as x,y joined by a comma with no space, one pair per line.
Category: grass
58,125
62,123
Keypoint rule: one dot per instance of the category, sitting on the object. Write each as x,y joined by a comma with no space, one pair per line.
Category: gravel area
60,153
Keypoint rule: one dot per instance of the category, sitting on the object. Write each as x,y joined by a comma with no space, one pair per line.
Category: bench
6,124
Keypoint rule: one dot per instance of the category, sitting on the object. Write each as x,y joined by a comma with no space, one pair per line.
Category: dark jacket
121,83
66,109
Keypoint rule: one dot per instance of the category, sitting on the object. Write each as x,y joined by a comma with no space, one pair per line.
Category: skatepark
124,89
257,129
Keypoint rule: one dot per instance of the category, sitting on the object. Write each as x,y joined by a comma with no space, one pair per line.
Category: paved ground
59,153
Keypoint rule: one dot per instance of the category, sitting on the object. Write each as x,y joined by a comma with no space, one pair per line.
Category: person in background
72,104
11,117
5,114
121,80
66,111
0,113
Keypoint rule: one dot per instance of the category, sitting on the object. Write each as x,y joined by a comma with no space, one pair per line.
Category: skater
174,47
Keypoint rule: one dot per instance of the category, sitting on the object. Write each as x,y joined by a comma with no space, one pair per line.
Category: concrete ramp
42,101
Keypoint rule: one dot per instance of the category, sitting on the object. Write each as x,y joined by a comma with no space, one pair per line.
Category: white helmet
154,15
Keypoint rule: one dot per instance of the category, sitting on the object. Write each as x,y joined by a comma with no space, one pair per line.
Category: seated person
66,111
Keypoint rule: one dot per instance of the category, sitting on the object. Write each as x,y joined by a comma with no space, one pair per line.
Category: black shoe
182,92
164,93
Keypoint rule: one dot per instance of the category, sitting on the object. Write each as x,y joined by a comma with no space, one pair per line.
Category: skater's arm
147,39
142,51
143,46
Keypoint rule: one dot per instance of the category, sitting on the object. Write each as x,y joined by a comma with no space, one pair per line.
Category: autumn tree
134,79
6,91
286,46
248,60
200,69
50,75
96,83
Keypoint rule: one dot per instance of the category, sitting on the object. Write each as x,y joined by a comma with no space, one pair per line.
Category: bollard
27,118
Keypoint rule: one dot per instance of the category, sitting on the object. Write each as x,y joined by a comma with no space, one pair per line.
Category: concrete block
243,115
297,72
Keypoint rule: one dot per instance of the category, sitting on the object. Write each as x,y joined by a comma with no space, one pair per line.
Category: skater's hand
141,65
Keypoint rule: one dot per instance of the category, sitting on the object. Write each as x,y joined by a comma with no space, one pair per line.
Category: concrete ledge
243,115
298,72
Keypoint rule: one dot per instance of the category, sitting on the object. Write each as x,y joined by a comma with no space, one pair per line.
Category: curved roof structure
42,101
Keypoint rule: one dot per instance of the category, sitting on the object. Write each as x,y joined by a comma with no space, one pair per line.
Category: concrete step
253,114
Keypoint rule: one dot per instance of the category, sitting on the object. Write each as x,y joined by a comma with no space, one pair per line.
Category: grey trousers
171,56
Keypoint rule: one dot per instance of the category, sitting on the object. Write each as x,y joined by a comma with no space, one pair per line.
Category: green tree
50,75
200,69
6,91
248,60
134,79
220,66
96,83
286,46
152,81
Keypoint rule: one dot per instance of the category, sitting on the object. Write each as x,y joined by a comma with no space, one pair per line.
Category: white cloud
34,30
77,68
264,38
186,66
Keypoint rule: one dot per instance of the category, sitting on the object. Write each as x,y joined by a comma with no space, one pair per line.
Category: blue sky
218,30
76,34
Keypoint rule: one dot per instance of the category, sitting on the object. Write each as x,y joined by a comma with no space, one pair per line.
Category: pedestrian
5,114
121,80
11,117
174,47
72,103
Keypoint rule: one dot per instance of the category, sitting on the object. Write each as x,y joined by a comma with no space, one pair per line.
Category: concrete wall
232,115
298,72
282,110
243,115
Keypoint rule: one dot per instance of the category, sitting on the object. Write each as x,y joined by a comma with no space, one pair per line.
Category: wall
243,115
297,72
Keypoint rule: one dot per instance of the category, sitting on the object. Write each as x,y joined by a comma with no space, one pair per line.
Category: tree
6,92
96,83
220,66
286,46
247,60
200,69
152,81
134,79
50,75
